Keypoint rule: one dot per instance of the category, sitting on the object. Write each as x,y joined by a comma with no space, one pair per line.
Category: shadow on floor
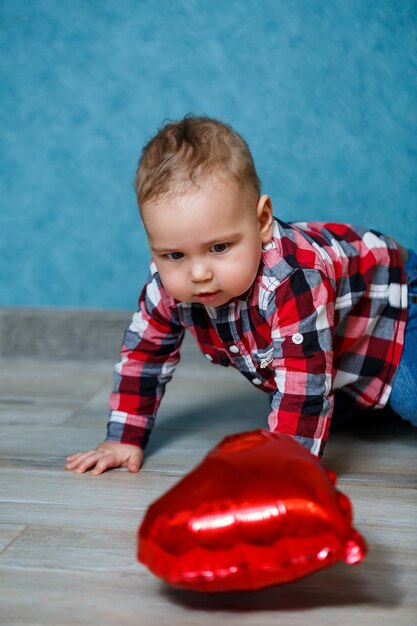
249,411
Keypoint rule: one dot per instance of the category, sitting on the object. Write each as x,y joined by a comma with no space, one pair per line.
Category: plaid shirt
326,311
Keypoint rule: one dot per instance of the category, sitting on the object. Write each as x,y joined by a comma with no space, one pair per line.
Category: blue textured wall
324,91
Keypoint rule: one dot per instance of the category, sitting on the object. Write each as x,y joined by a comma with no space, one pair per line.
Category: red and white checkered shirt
326,311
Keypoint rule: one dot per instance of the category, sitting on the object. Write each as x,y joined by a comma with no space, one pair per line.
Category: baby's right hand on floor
106,456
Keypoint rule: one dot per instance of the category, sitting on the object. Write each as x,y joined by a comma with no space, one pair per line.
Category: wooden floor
68,542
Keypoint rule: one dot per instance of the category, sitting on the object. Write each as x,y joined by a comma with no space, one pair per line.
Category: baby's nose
200,272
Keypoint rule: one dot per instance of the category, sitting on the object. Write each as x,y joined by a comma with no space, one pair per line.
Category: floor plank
73,598
63,548
8,534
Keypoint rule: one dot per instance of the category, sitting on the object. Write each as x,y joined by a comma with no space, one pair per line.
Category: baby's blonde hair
183,153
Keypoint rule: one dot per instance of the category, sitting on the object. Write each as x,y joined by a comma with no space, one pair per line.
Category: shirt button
297,338
257,381
209,357
234,349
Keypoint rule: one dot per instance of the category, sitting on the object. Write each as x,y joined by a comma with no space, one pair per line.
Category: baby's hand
107,455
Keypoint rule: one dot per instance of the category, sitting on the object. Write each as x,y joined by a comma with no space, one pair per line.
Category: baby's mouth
207,296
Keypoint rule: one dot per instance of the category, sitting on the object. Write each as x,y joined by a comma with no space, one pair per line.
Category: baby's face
207,243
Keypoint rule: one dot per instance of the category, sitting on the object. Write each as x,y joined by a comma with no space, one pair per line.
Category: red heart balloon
259,510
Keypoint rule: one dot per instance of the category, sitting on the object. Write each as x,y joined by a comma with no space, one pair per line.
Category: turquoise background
324,91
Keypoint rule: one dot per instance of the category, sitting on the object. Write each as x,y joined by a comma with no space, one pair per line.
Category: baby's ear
265,218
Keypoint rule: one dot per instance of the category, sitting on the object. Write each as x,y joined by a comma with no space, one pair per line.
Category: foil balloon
259,510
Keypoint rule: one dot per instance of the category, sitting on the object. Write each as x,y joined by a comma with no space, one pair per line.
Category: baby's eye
174,256
219,247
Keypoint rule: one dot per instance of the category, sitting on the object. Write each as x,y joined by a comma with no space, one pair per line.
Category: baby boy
301,309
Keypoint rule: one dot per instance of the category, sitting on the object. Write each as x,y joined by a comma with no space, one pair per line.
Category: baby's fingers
83,461
73,458
105,462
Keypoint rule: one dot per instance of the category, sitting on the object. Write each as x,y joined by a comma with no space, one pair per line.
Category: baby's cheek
172,285
240,276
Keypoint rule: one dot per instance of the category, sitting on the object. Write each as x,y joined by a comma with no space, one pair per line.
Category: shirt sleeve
302,322
148,357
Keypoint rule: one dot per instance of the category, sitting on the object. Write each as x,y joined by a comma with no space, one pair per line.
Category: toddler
301,309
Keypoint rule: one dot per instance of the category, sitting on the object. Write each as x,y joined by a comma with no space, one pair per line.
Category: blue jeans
403,397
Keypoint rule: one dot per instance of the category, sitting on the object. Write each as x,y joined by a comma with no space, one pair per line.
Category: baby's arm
149,354
107,455
302,323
